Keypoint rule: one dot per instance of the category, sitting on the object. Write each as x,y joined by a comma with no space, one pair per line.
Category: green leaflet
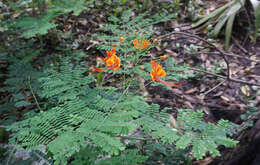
256,6
184,141
213,14
229,29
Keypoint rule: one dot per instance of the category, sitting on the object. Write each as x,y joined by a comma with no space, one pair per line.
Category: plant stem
38,106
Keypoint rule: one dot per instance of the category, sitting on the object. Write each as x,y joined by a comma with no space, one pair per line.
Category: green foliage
166,154
65,6
79,122
81,116
226,15
90,155
176,71
31,26
202,136
130,29
256,6
127,157
67,84
21,75
251,113
89,114
86,155
140,28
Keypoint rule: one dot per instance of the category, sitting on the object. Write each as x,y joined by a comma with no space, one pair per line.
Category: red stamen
101,69
168,84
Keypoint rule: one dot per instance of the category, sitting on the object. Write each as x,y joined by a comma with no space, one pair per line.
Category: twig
38,106
222,82
227,54
234,55
207,72
244,125
222,53
231,79
133,138
239,46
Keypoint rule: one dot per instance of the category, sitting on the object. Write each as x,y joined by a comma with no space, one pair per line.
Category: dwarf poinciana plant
156,72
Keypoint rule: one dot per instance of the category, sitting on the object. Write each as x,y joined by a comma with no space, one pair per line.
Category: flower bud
114,45
142,67
165,57
122,39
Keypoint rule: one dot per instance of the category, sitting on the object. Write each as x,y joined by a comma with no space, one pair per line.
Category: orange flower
111,60
157,71
141,44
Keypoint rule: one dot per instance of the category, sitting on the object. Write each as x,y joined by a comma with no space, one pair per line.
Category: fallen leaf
245,90
16,15
171,53
189,105
225,98
192,90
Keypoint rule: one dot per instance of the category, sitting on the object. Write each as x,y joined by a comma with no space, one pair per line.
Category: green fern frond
203,137
31,26
68,84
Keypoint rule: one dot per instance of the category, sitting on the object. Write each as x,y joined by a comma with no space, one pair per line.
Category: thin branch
133,138
222,53
234,55
239,46
29,82
222,82
231,79
207,72
227,54
244,125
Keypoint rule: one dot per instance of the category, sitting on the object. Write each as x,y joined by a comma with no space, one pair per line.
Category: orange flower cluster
111,60
157,71
141,44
